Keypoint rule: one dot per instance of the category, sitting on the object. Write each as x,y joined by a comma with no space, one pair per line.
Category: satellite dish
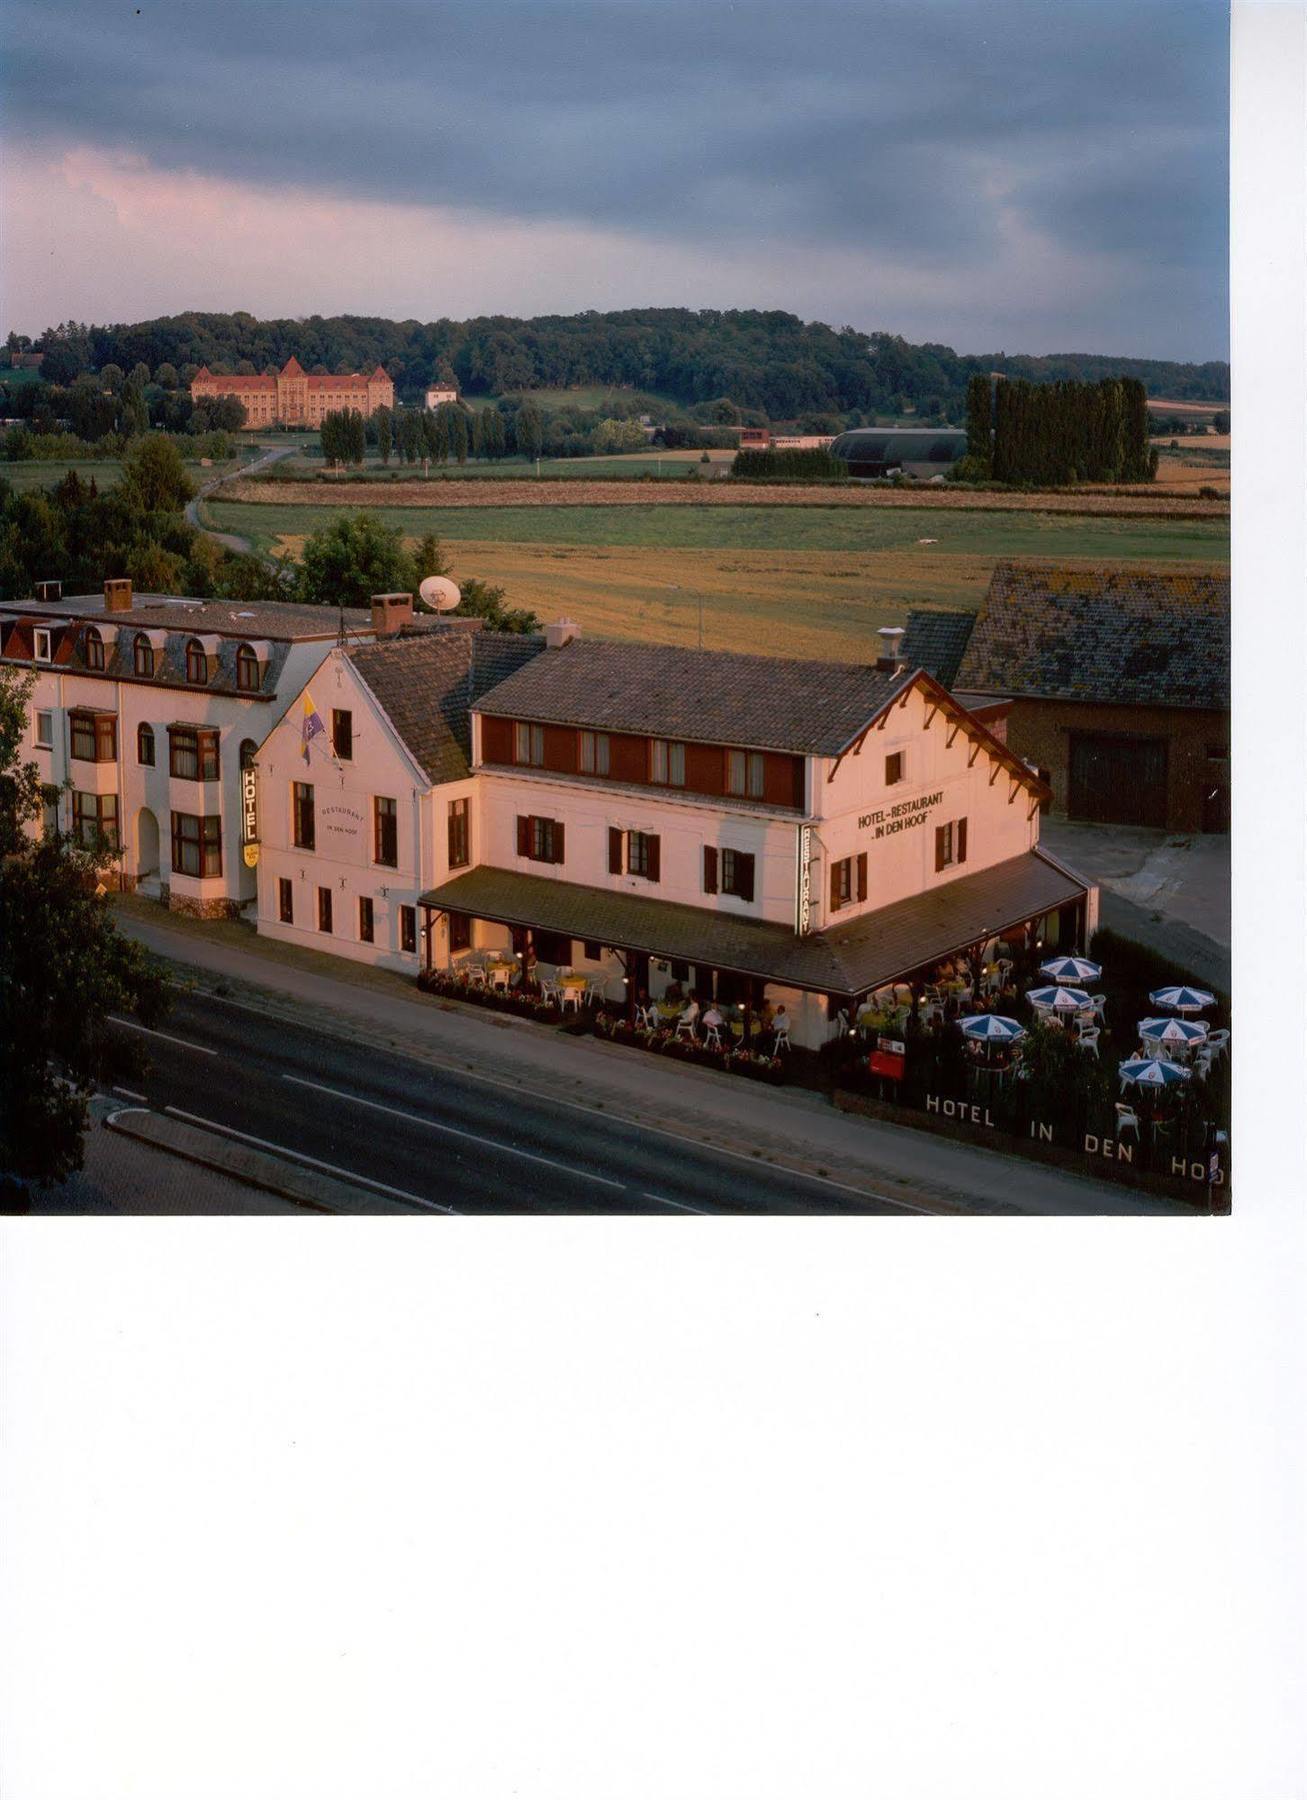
439,591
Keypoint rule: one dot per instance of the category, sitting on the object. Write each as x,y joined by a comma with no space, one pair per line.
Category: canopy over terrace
844,962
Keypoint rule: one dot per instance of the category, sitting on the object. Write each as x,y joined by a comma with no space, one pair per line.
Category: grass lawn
25,477
666,463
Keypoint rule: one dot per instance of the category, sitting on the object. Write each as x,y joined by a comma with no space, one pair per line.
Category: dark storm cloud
881,128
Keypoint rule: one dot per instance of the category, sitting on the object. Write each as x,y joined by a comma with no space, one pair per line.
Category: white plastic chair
1088,1039
572,996
782,1031
1126,1119
1203,1059
1219,1042
1099,1004
930,1010
712,1038
685,1028
476,974
549,989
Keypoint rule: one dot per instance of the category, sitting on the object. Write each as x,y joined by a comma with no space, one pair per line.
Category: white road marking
677,1137
185,1043
129,1094
662,1200
453,1131
299,1156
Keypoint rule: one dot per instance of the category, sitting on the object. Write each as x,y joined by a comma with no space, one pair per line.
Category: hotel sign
250,815
902,817
803,906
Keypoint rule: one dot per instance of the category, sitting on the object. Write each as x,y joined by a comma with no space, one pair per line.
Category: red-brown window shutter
523,836
743,875
962,840
835,887
862,875
939,847
655,857
558,840
710,868
614,851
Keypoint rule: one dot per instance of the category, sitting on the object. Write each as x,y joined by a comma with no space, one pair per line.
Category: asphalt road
227,539
448,1139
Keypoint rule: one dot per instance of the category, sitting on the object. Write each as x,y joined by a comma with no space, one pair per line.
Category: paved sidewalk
788,1128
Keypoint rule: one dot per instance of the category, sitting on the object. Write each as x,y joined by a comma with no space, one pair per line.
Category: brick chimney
118,595
889,662
390,613
561,632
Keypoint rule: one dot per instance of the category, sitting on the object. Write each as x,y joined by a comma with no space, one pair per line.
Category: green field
990,534
26,477
670,464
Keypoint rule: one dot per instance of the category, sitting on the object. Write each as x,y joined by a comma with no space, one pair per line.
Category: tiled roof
273,619
169,665
704,696
845,959
1132,637
426,685
935,641
243,384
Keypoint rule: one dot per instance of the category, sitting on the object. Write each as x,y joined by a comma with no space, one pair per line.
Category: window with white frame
44,736
666,763
595,752
529,744
744,773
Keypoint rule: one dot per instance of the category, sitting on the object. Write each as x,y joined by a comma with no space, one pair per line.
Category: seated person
780,1021
712,1019
691,1012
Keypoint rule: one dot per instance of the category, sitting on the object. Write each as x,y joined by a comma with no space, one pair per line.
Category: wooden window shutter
710,868
939,847
558,840
835,887
744,875
614,851
962,840
654,854
862,875
523,836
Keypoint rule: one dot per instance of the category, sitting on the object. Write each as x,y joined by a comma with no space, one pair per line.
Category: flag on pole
312,726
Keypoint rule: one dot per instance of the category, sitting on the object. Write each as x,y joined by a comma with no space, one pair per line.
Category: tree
140,375
134,420
429,559
154,477
480,601
55,1007
1221,423
382,421
980,409
111,378
166,375
354,557
529,431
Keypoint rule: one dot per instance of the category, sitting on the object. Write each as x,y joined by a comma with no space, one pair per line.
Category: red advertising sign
885,1062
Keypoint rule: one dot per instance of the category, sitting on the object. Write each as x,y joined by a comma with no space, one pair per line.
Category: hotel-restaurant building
291,397
747,826
145,718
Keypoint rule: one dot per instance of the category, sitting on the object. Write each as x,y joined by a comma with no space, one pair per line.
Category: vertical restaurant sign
250,815
803,908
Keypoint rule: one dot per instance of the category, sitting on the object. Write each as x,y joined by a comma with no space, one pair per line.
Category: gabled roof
292,366
1113,636
936,641
703,696
379,374
427,684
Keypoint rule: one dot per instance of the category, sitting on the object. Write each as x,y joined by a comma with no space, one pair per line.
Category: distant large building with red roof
290,397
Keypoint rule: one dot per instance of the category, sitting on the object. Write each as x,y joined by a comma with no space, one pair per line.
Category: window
286,901
142,654
1218,753
408,929
249,677
459,853
744,773
950,843
302,831
192,753
196,845
848,880
894,768
44,731
324,909
643,854
41,645
385,832
94,649
595,752
529,745
94,736
365,919
145,745
95,820
594,952
342,734
460,931
737,873
667,763
540,839
197,662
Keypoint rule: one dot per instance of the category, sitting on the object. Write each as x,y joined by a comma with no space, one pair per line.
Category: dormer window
143,655
248,673
197,663
666,763
41,645
94,649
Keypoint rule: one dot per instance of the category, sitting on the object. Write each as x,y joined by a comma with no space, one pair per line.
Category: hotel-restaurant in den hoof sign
749,828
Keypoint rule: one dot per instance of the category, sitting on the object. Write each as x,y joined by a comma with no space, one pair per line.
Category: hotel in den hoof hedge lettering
750,826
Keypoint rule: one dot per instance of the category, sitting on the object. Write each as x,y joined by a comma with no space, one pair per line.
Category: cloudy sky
992,174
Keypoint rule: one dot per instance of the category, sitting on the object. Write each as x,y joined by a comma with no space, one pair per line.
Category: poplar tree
980,418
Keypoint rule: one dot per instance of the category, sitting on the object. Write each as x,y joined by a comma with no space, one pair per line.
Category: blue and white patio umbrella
1059,999
992,1028
1071,968
1182,999
1180,1032
1152,1072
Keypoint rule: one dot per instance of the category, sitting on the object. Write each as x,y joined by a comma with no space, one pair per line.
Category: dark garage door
1117,780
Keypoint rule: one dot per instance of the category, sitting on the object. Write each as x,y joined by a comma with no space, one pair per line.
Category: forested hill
768,363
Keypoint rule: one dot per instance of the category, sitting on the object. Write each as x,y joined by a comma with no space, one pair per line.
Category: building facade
440,396
291,397
145,718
